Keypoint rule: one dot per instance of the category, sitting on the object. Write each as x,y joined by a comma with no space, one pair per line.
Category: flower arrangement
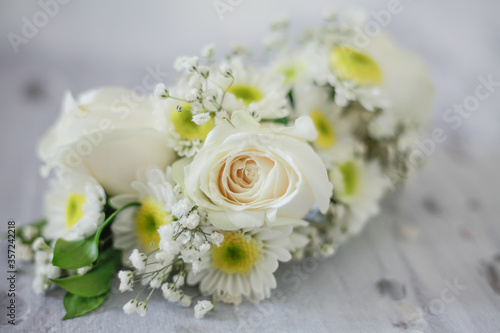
214,181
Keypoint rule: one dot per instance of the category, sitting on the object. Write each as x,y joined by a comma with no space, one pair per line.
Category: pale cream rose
111,132
247,175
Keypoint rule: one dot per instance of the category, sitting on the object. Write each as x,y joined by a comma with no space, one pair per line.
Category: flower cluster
214,180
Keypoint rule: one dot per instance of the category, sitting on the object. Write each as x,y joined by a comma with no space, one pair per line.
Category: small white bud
226,71
40,245
161,91
138,259
216,238
130,306
201,308
208,51
142,307
200,119
186,301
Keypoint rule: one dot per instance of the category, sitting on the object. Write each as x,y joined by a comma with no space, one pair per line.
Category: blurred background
80,45
91,44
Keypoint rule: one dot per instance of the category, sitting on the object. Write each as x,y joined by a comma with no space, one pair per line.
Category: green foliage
77,306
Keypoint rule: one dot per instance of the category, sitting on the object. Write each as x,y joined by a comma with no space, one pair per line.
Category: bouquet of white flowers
214,181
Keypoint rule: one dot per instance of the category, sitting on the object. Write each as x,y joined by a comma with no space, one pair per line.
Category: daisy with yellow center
74,206
359,185
252,89
175,120
355,66
242,266
137,228
335,140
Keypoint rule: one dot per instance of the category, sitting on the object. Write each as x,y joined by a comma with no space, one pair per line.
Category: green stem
112,216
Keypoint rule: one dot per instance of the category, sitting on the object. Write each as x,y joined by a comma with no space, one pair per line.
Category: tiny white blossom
166,231
51,271
24,252
216,238
182,207
156,281
190,255
205,247
171,246
161,91
201,308
208,50
130,306
201,118
191,64
197,240
184,237
171,293
198,266
125,280
192,95
186,301
164,258
179,63
83,270
204,71
221,116
226,71
40,285
40,245
29,232
196,81
179,280
138,259
142,307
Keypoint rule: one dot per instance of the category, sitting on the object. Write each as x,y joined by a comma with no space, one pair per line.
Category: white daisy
254,89
242,266
335,141
74,206
175,119
354,75
137,227
360,186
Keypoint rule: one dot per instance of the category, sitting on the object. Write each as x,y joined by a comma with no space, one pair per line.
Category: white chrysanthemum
335,141
292,66
254,90
360,186
353,73
137,227
242,266
181,121
74,206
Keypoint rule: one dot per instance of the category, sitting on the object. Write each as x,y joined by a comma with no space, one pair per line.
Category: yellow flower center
245,93
236,254
187,129
350,175
326,133
150,216
355,66
74,211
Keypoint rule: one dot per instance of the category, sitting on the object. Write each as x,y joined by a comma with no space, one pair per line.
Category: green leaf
84,252
77,306
97,281
75,254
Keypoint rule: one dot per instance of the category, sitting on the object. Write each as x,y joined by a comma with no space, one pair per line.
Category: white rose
246,175
109,131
